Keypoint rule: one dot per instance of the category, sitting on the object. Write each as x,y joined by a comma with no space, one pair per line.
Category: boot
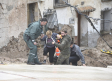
36,61
31,60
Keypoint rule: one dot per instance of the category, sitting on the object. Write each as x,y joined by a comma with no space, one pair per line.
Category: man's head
71,44
63,33
43,21
49,33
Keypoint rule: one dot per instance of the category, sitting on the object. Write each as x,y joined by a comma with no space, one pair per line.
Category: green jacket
34,30
65,45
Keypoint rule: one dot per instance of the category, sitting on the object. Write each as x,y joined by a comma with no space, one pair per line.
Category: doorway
32,11
82,31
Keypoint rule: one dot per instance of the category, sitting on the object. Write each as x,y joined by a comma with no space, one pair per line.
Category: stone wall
13,19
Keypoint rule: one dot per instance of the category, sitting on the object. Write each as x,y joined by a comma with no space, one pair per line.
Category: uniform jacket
64,45
34,30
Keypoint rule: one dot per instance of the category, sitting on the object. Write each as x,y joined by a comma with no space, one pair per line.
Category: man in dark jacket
76,55
32,32
64,47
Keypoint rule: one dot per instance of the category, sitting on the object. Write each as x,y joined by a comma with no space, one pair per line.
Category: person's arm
78,51
44,38
62,45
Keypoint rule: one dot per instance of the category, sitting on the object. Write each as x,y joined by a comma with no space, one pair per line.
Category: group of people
59,45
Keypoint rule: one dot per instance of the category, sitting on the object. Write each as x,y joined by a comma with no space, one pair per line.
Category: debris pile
16,51
94,56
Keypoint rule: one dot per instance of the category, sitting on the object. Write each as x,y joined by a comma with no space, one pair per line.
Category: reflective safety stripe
57,52
35,57
31,54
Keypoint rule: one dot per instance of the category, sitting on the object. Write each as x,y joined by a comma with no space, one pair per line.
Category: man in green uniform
32,32
64,47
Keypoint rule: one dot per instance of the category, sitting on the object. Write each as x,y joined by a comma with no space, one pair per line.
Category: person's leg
36,61
74,60
45,54
51,54
32,59
33,52
60,59
66,61
55,59
31,46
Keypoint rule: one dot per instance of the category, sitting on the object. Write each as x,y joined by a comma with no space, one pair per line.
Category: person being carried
57,51
76,55
32,32
49,47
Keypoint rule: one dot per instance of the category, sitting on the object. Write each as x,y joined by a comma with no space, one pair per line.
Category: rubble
94,56
16,52
16,48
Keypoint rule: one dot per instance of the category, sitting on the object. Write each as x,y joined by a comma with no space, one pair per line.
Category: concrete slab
54,73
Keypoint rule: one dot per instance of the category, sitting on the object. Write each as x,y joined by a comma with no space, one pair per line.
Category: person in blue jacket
76,55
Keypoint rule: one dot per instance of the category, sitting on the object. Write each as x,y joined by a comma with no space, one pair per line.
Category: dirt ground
16,52
94,56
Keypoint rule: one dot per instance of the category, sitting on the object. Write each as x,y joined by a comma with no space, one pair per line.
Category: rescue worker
33,31
64,47
49,47
76,55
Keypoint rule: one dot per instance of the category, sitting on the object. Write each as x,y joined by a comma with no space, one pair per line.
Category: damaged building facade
15,15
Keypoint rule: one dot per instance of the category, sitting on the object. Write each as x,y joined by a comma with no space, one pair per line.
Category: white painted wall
63,15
